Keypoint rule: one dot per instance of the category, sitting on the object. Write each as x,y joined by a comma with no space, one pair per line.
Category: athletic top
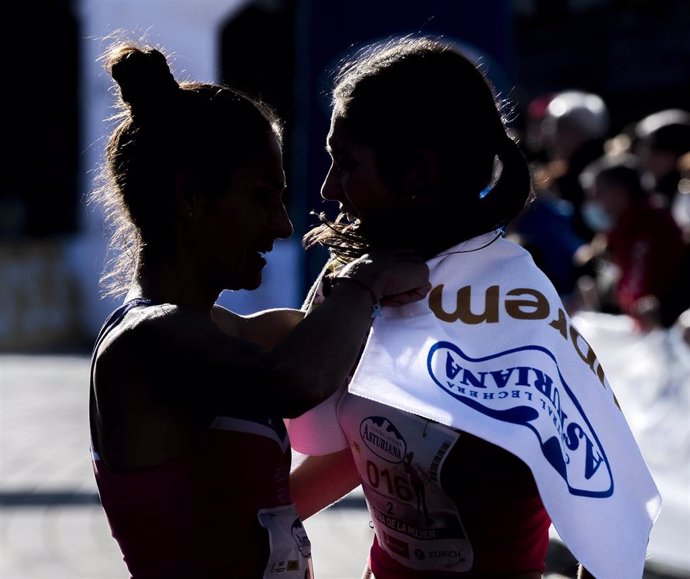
442,501
219,509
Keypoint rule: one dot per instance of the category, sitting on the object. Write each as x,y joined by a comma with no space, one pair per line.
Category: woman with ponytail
189,449
443,421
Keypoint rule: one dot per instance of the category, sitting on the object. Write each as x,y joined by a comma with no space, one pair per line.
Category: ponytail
512,191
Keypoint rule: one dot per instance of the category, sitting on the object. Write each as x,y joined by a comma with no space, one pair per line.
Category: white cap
660,119
587,111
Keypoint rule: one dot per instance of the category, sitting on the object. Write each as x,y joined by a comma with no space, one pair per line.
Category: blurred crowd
611,220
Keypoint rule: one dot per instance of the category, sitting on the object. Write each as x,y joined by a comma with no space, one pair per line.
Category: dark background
634,53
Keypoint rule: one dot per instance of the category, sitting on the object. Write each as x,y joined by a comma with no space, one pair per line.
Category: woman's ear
420,181
188,199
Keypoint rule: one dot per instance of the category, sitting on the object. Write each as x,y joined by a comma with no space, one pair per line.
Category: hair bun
144,78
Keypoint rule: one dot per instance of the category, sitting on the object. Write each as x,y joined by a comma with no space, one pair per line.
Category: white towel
491,351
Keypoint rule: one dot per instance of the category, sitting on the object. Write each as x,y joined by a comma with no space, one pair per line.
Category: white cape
491,351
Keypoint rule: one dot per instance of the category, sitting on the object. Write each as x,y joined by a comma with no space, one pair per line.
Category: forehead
340,138
266,168
338,131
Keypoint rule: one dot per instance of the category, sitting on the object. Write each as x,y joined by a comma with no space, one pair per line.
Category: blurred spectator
533,140
622,142
680,206
574,130
682,326
639,250
546,229
661,139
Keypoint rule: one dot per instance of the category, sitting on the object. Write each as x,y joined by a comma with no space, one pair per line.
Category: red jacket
647,246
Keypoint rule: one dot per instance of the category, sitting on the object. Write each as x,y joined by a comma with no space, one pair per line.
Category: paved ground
51,524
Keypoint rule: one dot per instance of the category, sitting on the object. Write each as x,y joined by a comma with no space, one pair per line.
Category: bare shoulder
165,348
173,340
140,327
161,332
228,322
269,327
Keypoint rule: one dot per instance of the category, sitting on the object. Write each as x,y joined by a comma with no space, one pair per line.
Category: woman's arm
320,481
266,328
317,355
282,368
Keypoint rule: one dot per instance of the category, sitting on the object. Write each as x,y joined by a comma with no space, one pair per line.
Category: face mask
596,217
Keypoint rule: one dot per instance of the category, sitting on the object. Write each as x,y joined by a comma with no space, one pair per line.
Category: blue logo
534,396
299,534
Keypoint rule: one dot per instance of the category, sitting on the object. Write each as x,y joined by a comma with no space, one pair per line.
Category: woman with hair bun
477,417
187,399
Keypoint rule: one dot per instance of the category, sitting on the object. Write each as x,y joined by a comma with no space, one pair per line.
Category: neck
172,284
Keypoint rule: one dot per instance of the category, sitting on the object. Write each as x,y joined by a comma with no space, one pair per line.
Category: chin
252,283
246,282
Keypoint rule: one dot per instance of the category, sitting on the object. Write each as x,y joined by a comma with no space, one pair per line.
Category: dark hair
415,93
621,170
165,127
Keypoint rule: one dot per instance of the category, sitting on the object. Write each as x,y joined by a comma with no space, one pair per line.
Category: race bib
290,549
400,458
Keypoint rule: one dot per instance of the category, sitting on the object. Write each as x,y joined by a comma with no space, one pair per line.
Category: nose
330,189
281,223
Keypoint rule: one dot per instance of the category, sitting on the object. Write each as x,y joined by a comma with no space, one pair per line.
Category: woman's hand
394,277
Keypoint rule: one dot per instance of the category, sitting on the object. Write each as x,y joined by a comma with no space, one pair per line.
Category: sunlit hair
163,128
414,93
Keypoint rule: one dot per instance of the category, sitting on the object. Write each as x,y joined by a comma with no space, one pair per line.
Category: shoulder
157,333
139,335
227,321
135,325
172,353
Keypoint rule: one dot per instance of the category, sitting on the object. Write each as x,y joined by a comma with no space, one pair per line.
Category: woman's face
237,228
354,180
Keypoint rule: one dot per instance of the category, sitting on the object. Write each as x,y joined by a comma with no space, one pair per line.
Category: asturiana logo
383,439
524,386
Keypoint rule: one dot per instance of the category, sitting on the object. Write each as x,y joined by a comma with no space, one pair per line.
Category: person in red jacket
639,247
